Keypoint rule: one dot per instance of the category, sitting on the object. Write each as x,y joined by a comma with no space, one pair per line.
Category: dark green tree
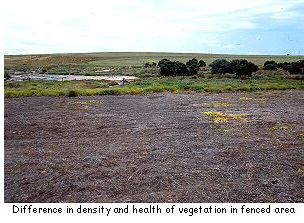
242,68
202,63
220,66
166,67
270,65
180,69
6,75
285,66
297,67
193,66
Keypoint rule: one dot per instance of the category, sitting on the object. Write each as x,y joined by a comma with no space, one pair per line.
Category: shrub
193,66
71,93
12,85
242,68
166,67
285,66
43,71
220,66
6,75
293,67
148,64
202,63
270,65
107,92
269,62
192,61
297,67
180,69
169,68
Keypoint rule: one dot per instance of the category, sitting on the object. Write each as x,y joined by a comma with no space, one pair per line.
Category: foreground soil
156,148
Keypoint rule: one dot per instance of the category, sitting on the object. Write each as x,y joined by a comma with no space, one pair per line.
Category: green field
147,85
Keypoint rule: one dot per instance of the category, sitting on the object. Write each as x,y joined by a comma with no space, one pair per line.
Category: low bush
166,67
172,68
202,63
150,64
297,67
180,69
193,66
71,93
242,68
220,66
285,66
6,75
270,65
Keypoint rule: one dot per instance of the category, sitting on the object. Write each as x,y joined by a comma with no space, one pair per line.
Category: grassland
146,85
121,59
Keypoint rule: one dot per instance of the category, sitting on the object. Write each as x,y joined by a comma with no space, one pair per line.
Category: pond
49,77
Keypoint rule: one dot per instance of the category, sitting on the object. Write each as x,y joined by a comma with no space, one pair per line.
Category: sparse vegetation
219,117
150,64
247,99
219,104
301,136
282,128
220,149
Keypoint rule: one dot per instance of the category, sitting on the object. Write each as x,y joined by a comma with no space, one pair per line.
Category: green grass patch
145,86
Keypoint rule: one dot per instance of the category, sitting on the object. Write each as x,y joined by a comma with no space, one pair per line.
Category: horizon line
160,52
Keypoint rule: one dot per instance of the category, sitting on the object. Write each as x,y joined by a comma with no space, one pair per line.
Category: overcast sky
217,26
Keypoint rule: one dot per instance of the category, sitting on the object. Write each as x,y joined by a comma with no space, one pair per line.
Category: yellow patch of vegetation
81,105
136,91
213,105
300,170
89,102
301,136
283,128
247,99
219,104
219,117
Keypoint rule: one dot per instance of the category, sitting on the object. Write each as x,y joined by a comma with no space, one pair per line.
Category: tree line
292,67
240,67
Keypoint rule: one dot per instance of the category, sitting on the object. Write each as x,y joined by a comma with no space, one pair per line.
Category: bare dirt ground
155,148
